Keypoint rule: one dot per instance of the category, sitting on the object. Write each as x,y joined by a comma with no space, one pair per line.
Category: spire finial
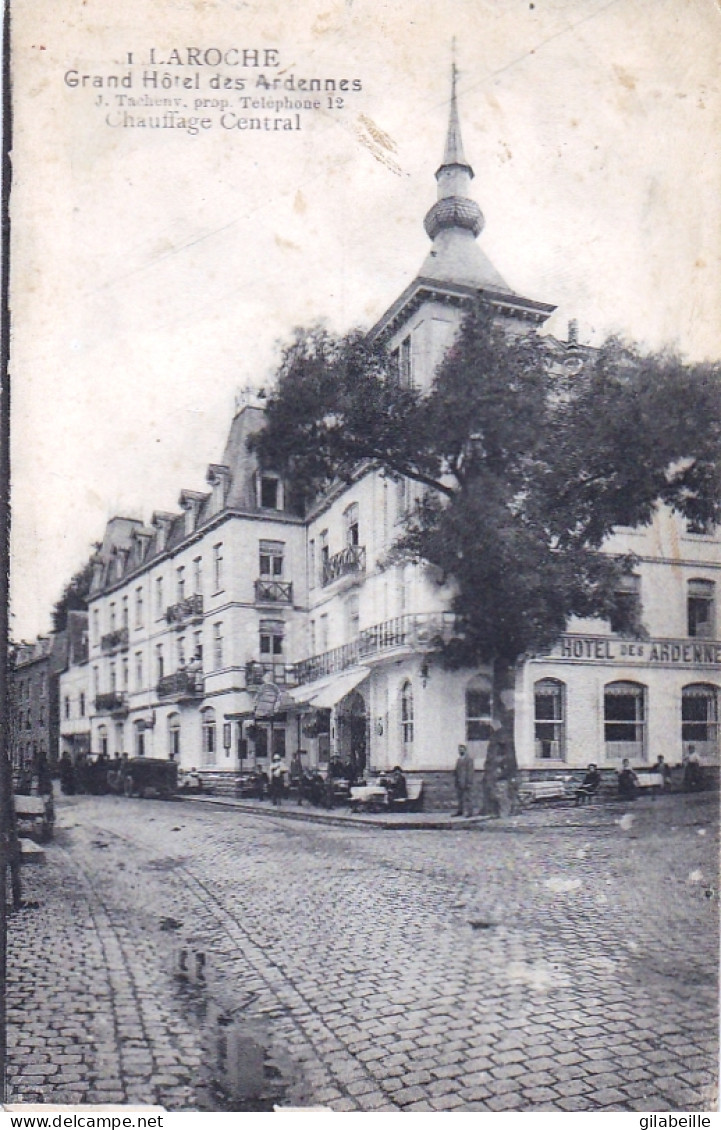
453,153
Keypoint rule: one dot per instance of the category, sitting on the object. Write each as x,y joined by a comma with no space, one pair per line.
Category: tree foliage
74,597
528,470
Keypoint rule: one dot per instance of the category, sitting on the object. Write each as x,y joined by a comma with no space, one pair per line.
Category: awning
324,693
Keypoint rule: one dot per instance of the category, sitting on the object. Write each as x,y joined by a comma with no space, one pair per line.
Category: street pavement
201,957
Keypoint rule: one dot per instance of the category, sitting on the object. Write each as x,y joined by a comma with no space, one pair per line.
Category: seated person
589,784
627,781
396,785
663,770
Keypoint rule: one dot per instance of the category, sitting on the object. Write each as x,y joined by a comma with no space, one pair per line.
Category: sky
155,272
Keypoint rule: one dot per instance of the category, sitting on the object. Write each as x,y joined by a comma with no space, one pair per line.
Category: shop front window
624,717
478,709
699,720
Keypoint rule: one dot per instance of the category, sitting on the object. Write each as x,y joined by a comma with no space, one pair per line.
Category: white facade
238,627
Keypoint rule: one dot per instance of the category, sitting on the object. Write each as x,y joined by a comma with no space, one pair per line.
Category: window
270,493
140,739
217,646
112,616
139,671
103,739
208,742
324,632
271,638
198,646
407,715
404,498
626,614
351,524
180,583
159,602
701,611
624,718
174,737
699,719
66,704
478,709
96,625
352,614
138,608
218,566
113,677
549,700
312,638
324,553
181,651
311,563
402,364
125,616
197,574
271,559
82,704
124,669
159,662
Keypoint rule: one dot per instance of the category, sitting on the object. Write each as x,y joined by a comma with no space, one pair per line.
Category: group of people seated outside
628,783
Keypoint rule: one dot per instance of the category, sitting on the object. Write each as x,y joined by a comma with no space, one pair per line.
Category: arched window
407,716
209,739
478,709
699,720
624,720
174,737
550,719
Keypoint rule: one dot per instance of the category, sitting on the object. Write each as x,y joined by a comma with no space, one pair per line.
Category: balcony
115,641
185,611
181,685
421,631
273,592
113,702
351,561
282,674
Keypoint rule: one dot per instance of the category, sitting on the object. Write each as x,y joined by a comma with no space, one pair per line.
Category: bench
413,801
35,816
653,781
533,791
375,798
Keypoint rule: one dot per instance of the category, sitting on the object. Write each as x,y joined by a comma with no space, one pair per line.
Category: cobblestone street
564,960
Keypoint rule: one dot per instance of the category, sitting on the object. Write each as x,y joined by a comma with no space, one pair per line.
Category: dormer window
270,492
218,476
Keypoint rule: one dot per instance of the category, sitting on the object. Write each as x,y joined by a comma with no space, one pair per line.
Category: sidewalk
343,817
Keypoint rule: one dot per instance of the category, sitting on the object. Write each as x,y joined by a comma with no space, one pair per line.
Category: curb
312,816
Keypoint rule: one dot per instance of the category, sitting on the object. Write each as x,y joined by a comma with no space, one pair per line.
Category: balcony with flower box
186,611
181,686
268,591
115,641
282,674
112,702
350,562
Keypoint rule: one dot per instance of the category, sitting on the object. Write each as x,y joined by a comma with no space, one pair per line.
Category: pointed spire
455,220
453,153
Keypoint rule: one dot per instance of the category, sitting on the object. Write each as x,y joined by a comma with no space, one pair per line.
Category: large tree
528,471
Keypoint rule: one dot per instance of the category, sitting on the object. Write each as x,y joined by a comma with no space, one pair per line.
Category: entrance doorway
353,732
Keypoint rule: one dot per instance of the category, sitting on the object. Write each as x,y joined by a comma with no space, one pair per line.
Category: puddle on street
242,1069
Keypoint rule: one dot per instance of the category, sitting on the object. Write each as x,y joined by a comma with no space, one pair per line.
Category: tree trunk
499,788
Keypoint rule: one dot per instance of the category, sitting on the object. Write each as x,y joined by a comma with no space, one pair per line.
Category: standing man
464,782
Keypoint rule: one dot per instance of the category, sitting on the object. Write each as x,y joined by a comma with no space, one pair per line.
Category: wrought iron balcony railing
191,608
273,592
350,560
282,674
181,684
421,631
112,702
115,641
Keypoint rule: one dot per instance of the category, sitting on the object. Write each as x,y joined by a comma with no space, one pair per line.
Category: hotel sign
604,649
